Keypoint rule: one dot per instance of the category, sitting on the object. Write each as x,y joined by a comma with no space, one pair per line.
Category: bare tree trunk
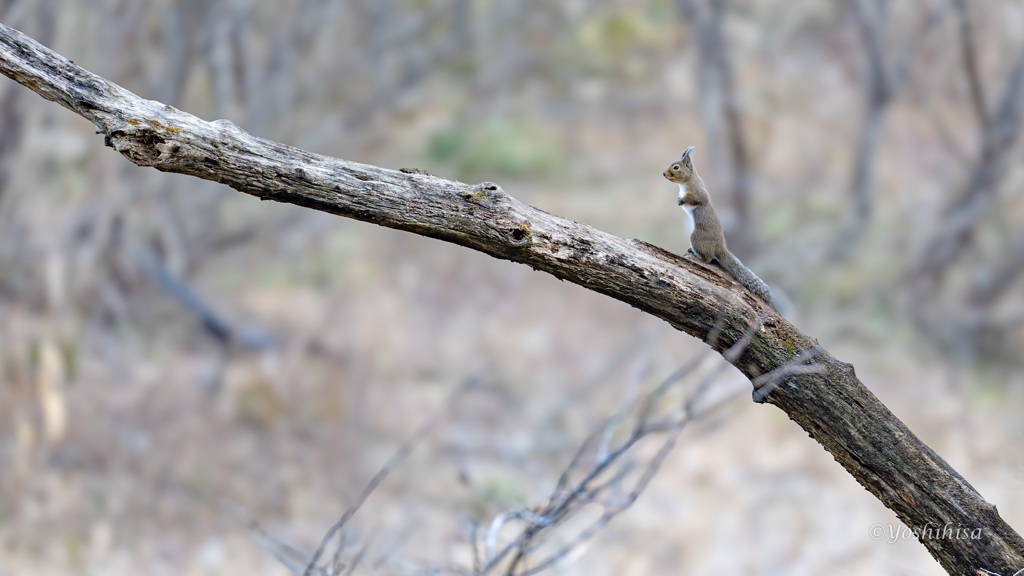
988,291
884,78
722,116
878,95
969,55
738,148
828,402
998,130
980,191
10,136
864,167
11,119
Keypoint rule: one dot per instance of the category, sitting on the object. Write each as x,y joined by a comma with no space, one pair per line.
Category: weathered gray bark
831,405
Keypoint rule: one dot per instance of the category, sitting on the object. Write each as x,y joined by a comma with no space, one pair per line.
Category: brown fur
707,241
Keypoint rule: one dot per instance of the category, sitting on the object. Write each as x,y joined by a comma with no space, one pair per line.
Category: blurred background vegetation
175,356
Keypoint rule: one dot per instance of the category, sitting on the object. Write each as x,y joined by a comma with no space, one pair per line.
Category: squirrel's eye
675,167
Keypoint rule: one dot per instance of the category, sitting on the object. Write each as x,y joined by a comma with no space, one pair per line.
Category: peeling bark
832,405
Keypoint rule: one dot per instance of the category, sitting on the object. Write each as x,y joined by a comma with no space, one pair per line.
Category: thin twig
565,502
397,458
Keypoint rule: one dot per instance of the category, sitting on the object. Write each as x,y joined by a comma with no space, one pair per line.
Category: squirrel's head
681,171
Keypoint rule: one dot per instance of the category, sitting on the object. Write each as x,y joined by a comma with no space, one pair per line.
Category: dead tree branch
833,406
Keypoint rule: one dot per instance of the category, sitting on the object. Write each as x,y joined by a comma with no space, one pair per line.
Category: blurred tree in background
864,155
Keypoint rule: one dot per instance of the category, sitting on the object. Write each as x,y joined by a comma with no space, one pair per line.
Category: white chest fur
686,207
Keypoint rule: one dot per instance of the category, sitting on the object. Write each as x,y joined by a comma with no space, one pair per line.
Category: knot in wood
520,234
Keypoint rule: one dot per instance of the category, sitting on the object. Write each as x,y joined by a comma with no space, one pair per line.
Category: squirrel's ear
687,154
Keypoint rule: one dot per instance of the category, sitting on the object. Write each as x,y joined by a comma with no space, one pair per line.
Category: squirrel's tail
748,279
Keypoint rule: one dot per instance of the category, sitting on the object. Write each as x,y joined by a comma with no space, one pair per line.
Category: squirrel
707,241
